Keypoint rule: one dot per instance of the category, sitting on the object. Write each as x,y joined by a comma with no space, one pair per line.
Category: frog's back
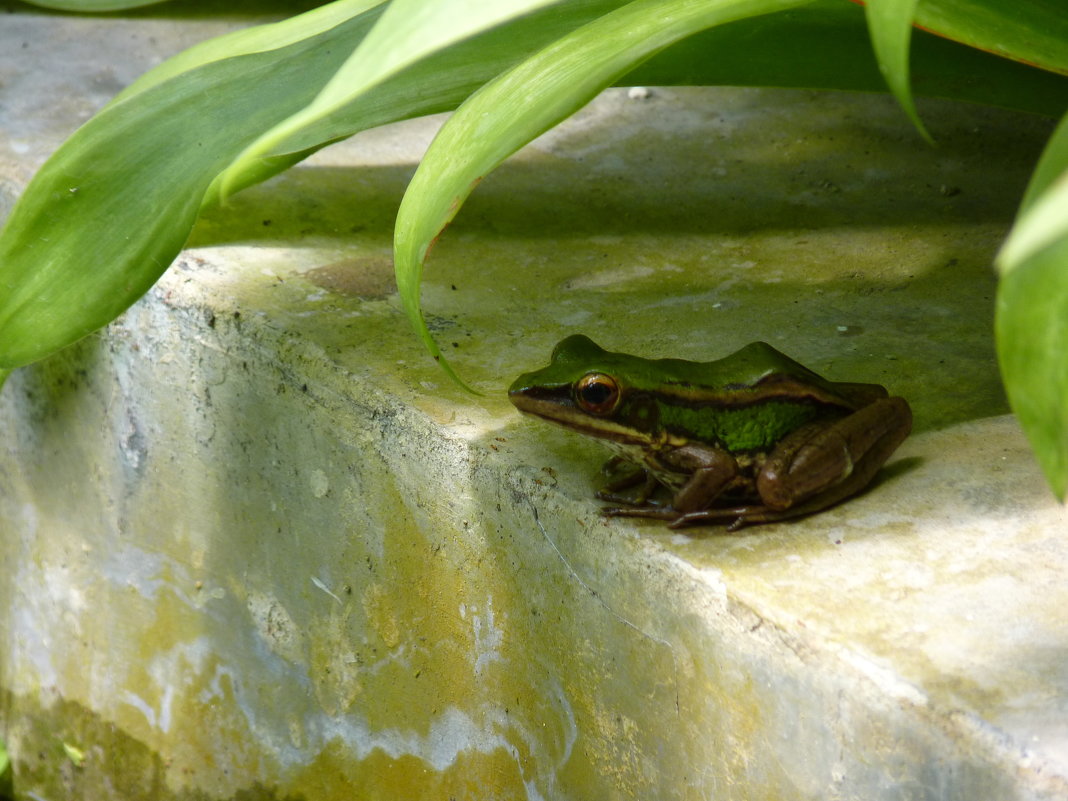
755,372
746,401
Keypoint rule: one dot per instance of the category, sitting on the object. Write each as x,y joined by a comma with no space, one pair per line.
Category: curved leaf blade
93,6
63,278
526,101
246,41
1033,32
776,50
1031,324
890,25
1043,218
408,32
107,213
1042,224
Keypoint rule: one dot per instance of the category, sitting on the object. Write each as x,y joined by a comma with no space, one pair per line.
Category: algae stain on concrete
472,776
381,616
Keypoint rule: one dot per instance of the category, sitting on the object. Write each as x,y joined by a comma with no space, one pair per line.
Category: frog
754,437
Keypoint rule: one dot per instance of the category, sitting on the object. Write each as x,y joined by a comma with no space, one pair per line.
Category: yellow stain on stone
473,776
381,616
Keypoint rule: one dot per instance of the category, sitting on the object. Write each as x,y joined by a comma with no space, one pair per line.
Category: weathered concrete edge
993,756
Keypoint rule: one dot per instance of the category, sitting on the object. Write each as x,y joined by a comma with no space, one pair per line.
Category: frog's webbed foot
736,517
651,510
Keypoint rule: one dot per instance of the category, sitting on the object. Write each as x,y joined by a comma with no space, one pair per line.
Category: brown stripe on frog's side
768,389
557,407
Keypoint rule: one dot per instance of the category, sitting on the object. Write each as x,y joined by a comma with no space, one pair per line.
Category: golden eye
597,393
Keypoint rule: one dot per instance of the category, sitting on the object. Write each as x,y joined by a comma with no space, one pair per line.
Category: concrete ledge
256,546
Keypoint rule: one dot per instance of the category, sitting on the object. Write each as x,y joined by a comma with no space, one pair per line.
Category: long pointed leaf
776,50
1032,31
1032,312
1032,339
408,32
890,24
1043,218
257,39
528,100
93,5
110,210
1043,223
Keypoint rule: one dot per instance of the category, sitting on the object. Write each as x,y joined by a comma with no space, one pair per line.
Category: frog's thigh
848,452
711,469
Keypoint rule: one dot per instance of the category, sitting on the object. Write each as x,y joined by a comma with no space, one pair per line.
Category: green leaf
1031,325
1043,223
256,39
93,5
890,24
408,32
74,754
64,277
1051,166
96,227
776,50
1032,339
105,216
526,101
7,779
1031,31
1043,218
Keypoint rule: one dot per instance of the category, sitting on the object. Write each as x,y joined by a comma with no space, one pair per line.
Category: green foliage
186,125
1032,31
890,23
6,781
523,103
1032,312
236,110
91,6
140,167
408,32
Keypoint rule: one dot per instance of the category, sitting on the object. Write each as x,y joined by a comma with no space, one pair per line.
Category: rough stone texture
256,546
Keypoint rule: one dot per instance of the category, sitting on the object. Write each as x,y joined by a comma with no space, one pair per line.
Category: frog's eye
597,393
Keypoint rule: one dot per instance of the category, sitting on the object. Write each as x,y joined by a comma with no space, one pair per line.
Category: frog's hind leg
819,465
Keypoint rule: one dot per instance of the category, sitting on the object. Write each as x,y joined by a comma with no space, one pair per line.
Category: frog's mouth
556,406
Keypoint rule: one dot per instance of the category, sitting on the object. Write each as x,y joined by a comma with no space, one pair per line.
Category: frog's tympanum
751,438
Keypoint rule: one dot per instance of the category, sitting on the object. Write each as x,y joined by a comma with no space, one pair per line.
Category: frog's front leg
633,477
703,471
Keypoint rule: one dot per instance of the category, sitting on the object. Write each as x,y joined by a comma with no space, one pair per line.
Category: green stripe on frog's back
747,401
755,427
757,370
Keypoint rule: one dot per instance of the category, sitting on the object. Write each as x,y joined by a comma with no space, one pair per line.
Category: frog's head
581,388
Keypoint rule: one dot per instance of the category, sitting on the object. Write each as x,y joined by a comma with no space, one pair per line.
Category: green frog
754,437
